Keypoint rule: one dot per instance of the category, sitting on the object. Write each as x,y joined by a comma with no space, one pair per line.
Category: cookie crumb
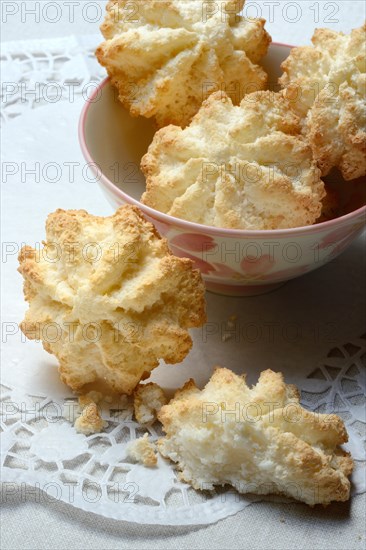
147,401
142,450
232,321
90,421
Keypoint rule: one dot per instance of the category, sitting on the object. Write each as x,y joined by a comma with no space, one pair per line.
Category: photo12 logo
55,491
30,11
74,11
274,11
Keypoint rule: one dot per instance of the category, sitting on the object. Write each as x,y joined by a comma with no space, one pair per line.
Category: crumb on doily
147,401
90,421
143,450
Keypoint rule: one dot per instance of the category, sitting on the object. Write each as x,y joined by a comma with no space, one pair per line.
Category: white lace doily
39,448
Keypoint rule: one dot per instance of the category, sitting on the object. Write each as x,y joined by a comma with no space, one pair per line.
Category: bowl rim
188,226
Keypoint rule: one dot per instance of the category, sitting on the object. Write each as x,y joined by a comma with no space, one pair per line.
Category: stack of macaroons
244,160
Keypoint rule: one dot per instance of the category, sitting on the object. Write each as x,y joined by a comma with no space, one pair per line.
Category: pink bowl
232,262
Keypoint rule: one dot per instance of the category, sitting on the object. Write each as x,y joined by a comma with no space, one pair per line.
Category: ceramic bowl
232,262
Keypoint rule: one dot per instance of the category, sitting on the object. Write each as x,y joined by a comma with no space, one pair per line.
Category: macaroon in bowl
236,262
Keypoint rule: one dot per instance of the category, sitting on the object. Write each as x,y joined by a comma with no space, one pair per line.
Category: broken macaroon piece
259,440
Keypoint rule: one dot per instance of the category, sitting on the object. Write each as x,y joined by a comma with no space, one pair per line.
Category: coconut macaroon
237,167
327,86
259,440
108,299
166,56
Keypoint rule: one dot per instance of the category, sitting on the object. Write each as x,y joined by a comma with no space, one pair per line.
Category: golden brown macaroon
259,440
166,56
108,299
327,86
236,167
